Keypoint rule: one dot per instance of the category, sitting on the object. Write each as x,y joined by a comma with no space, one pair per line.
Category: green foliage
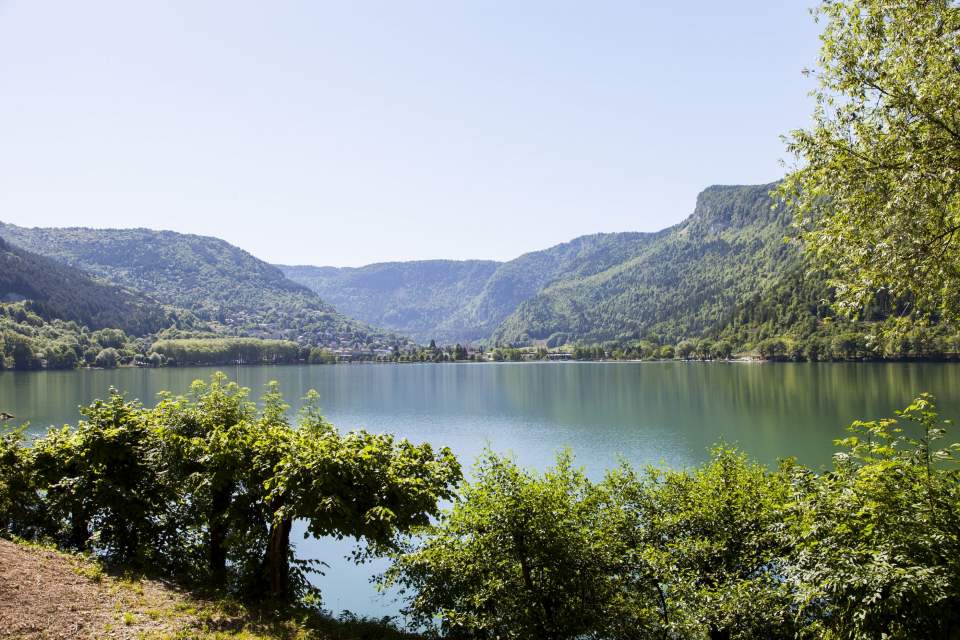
29,341
20,505
521,555
220,351
107,358
730,549
878,538
877,190
62,292
231,291
713,542
206,443
103,488
206,487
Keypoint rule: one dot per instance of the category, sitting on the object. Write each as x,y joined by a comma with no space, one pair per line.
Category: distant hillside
463,301
522,278
675,283
66,293
414,298
686,280
227,287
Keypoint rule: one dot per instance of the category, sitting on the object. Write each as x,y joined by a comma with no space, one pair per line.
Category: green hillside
413,298
518,280
725,273
682,282
460,301
66,293
236,293
676,283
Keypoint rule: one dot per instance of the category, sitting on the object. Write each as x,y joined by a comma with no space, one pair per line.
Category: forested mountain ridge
454,300
66,293
683,282
233,291
675,283
414,298
522,278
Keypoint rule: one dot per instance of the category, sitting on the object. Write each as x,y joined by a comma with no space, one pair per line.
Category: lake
656,412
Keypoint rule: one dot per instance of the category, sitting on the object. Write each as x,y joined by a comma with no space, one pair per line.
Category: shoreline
748,361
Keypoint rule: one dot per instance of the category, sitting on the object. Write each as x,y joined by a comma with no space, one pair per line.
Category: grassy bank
49,594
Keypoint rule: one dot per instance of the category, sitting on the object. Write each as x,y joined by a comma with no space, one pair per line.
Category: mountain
413,298
686,280
616,286
234,292
518,280
66,293
460,301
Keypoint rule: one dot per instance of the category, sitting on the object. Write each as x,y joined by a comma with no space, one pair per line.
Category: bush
107,358
319,355
522,555
878,538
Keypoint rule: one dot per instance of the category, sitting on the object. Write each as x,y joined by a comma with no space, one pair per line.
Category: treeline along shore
110,348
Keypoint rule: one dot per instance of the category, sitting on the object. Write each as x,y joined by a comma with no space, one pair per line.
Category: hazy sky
352,132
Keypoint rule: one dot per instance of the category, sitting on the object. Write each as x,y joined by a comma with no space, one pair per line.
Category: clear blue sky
349,132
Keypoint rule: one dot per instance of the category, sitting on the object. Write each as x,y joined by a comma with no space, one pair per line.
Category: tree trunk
79,531
217,549
278,559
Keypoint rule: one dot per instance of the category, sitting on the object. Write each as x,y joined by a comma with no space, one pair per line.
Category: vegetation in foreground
204,490
868,549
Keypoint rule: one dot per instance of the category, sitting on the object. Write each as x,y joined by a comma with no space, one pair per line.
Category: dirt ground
50,595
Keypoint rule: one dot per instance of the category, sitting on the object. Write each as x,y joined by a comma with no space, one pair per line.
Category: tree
721,350
109,338
877,191
773,349
319,355
61,356
847,346
704,348
362,485
521,555
21,509
206,439
103,484
713,543
246,475
22,351
878,538
206,487
107,358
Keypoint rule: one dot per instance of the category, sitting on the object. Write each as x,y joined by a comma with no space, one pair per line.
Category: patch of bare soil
50,595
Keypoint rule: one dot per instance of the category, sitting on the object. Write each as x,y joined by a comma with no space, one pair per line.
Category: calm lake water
669,413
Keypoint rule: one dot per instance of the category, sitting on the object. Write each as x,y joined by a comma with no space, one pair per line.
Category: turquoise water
658,412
